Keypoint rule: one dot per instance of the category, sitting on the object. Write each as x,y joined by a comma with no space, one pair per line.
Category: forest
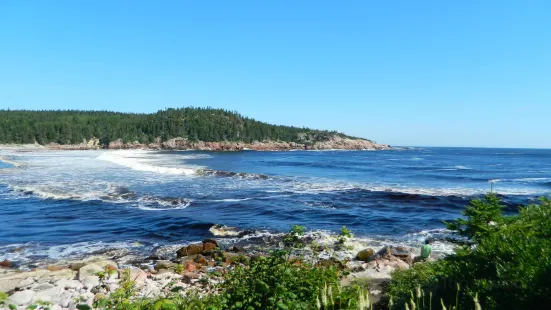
196,124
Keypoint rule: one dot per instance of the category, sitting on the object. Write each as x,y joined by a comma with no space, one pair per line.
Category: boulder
365,255
191,249
201,260
21,297
43,287
237,249
25,282
89,270
69,284
190,266
164,265
53,293
137,275
209,246
6,264
90,281
11,281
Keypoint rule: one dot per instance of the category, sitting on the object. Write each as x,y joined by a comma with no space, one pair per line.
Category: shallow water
59,204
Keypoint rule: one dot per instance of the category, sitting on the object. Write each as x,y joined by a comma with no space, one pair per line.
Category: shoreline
334,143
195,267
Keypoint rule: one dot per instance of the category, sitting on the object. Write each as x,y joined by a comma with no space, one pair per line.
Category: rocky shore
197,267
333,143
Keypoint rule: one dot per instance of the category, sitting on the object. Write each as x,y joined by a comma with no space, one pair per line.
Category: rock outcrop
335,142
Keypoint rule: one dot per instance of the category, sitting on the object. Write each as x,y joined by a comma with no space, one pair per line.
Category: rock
191,249
407,259
90,281
10,281
400,252
25,282
385,252
76,266
188,277
209,245
201,260
88,270
365,255
190,266
68,284
43,287
156,257
55,268
50,294
237,249
21,297
138,276
6,264
164,265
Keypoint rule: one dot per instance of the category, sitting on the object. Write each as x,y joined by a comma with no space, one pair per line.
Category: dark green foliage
508,264
204,124
293,239
275,282
483,216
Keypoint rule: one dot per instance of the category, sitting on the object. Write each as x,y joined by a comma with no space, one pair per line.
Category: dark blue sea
60,204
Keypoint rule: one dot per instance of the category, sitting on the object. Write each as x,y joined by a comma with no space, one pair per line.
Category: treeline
197,124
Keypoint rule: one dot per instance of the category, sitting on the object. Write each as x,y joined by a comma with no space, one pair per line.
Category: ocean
65,204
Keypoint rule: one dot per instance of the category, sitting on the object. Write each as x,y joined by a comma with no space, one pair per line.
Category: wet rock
89,270
156,257
191,249
365,255
21,298
6,264
237,249
209,245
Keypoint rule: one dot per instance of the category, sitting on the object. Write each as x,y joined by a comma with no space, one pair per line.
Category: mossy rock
365,255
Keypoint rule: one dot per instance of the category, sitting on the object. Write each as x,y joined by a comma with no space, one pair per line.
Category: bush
508,265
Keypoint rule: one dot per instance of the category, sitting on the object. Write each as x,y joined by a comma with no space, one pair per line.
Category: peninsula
171,129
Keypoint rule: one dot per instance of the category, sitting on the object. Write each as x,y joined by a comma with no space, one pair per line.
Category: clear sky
430,73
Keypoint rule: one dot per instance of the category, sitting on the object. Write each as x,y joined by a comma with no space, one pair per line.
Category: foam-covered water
58,204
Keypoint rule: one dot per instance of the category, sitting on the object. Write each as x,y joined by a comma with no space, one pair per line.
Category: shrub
507,267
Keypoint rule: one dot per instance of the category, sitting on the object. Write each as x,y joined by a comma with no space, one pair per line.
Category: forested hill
195,124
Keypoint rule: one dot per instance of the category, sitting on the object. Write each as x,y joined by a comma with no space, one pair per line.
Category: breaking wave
136,160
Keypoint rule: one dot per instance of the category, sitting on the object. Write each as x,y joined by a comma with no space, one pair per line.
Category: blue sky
430,73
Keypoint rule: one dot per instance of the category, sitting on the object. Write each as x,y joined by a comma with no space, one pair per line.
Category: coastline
334,143
195,267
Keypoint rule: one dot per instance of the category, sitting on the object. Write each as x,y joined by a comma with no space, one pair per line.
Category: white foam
7,160
301,187
135,160
163,204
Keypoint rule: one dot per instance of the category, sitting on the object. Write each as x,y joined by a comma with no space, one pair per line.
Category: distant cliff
185,128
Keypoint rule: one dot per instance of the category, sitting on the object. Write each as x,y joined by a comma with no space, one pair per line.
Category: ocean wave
317,188
135,160
522,180
7,160
151,203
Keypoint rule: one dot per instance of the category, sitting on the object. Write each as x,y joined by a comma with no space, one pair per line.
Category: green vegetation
196,124
507,265
273,281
